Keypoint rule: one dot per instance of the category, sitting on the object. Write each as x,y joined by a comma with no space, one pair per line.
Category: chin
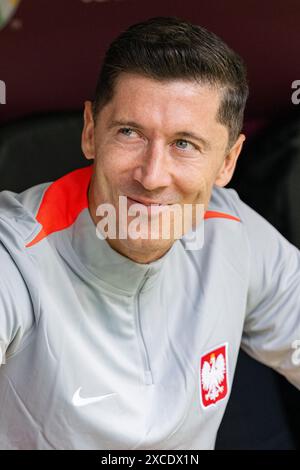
147,245
143,250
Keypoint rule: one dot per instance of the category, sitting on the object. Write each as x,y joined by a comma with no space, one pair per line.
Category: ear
226,171
87,136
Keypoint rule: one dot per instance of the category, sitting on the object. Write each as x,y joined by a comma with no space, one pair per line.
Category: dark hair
168,48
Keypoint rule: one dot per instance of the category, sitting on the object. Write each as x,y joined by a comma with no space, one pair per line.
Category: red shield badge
213,376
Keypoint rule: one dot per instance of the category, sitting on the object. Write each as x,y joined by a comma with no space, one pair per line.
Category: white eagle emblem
212,376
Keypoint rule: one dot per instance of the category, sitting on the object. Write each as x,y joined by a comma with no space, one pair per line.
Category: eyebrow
190,135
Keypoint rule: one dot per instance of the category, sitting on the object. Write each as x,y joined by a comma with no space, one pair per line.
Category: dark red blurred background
51,51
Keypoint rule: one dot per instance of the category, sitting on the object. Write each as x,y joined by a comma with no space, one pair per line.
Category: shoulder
18,212
225,199
256,227
235,231
273,261
14,204
19,286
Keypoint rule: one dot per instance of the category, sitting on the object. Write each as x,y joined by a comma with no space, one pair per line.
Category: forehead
164,102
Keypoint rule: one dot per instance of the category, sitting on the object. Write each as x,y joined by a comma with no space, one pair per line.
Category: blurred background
50,57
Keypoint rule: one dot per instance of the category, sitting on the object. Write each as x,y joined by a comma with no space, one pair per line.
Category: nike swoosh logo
77,400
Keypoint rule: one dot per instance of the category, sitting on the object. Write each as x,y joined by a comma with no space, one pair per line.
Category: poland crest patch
214,376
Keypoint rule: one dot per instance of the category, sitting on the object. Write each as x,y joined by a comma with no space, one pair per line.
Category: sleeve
16,311
272,323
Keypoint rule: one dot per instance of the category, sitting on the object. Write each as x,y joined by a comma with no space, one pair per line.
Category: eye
185,145
128,132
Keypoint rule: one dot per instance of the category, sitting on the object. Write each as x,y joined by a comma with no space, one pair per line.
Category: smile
146,202
151,207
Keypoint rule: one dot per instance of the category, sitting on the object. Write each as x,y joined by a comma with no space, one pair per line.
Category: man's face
157,142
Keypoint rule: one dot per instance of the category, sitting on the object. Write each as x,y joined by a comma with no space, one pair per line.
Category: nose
153,170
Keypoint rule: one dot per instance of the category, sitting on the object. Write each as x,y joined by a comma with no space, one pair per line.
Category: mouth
146,202
153,208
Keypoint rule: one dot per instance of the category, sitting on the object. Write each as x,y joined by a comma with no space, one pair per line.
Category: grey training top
100,352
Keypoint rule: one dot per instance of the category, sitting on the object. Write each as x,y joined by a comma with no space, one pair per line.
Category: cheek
112,172
105,176
195,183
115,158
106,162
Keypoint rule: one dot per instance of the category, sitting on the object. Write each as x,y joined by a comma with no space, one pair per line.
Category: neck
139,256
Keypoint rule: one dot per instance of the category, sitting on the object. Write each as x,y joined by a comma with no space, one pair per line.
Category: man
114,336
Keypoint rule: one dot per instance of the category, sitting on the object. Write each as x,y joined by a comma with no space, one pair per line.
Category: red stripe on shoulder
213,214
63,200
